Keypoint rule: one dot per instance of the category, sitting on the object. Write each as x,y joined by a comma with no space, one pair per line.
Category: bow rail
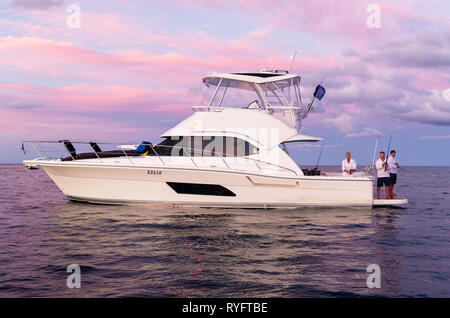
64,150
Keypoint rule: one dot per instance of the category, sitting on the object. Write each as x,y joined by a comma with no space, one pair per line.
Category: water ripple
166,251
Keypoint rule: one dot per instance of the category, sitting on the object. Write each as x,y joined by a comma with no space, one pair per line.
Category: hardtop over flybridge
231,152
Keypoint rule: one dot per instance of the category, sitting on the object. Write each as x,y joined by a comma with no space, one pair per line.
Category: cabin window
205,146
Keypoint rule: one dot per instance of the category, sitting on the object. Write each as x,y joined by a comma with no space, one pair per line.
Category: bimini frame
265,85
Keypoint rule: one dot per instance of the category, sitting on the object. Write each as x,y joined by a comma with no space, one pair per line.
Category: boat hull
144,185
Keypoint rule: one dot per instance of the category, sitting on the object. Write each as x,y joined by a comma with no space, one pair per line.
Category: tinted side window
169,147
206,146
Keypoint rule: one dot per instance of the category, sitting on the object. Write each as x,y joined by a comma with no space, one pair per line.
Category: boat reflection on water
388,256
199,252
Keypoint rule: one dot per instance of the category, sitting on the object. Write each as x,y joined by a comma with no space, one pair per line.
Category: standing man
393,166
383,177
348,165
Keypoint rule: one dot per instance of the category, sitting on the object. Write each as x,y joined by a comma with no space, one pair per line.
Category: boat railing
196,153
269,108
61,150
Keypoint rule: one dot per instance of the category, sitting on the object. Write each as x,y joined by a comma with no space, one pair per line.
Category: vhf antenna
292,57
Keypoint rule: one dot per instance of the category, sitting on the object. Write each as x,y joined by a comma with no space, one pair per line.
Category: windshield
282,93
223,92
231,93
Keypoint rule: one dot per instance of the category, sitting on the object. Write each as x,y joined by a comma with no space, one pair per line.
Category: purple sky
133,68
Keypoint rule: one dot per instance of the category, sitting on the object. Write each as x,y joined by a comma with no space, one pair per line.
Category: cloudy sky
133,68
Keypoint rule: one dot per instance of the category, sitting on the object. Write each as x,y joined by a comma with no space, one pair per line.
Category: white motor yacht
231,152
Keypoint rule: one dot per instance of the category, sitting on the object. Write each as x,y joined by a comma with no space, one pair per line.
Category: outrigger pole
319,92
370,168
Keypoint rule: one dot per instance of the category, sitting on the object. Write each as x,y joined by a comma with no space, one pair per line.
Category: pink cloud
94,99
325,18
65,60
127,78
108,113
430,80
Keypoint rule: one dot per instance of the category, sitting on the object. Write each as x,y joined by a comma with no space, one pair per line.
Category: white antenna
292,57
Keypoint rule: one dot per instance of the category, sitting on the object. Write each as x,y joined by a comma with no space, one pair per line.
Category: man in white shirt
383,177
348,165
393,166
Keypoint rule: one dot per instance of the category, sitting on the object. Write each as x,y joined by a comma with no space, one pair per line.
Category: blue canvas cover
143,147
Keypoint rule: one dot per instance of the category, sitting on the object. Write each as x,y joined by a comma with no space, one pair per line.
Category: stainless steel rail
45,151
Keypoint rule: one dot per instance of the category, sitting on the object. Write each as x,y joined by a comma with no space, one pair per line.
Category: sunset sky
133,69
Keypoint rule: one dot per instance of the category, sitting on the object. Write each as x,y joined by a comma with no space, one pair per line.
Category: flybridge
276,92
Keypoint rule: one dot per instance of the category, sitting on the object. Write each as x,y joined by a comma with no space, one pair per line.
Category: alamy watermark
374,279
74,18
374,19
74,279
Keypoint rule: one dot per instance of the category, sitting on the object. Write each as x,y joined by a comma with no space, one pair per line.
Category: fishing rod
400,168
370,168
387,155
320,155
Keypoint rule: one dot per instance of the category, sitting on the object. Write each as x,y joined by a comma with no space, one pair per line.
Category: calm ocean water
162,251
